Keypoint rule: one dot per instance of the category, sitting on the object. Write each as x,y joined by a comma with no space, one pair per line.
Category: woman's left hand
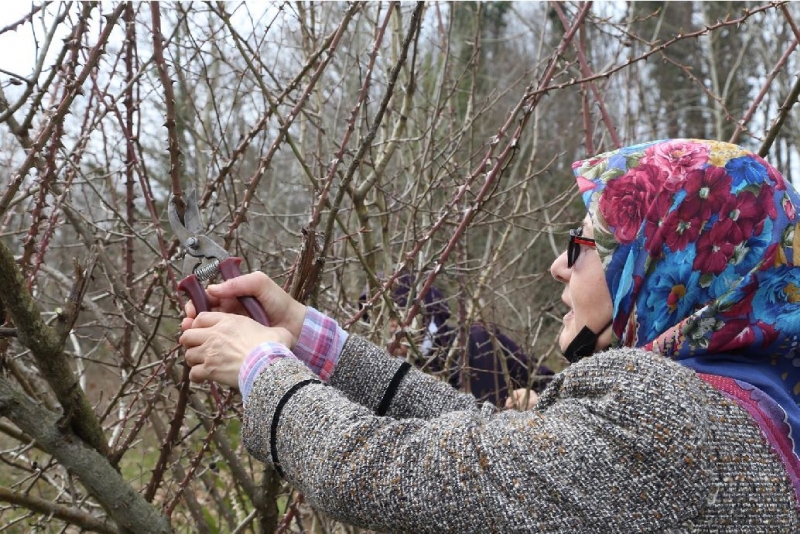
217,344
522,399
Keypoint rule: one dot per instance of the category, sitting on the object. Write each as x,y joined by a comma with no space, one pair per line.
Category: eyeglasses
575,242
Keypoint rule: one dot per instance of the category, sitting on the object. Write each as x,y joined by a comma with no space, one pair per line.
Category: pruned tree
334,146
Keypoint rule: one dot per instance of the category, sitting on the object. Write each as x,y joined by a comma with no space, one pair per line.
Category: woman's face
585,293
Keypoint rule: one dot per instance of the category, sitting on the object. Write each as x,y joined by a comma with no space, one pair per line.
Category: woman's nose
559,268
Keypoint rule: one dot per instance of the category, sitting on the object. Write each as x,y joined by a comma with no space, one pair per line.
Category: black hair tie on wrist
273,447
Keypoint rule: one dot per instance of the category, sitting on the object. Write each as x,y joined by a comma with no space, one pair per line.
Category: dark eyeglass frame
576,239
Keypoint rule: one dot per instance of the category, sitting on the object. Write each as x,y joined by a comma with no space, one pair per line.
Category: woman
682,291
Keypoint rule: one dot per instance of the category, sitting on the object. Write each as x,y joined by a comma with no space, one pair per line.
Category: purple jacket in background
493,359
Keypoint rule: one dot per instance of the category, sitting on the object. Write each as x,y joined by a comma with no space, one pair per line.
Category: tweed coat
624,441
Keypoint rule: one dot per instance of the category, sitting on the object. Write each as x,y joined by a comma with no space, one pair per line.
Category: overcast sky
18,46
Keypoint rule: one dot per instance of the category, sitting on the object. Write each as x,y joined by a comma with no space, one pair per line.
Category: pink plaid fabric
258,360
320,344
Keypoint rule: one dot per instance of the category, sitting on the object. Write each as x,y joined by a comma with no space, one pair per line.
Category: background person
495,364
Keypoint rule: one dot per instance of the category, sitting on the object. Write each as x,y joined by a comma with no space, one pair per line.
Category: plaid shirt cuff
320,344
258,360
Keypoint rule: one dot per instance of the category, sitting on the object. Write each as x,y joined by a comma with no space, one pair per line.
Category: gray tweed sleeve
618,445
365,375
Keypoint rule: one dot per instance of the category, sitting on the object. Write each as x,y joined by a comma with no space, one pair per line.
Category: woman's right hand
282,310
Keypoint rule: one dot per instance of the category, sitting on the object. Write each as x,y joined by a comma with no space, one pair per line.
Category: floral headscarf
697,240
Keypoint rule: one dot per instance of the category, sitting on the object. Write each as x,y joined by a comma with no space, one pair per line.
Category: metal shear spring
200,248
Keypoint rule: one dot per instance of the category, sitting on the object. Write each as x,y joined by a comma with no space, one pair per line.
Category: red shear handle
229,268
191,286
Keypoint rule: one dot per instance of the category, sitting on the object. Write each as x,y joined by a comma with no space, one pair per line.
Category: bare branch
75,88
122,503
69,515
173,146
48,352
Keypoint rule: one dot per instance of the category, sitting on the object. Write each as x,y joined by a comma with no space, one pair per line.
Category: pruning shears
205,259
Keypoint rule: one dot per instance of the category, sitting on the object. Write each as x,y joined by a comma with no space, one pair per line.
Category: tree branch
174,147
47,350
120,500
76,88
73,516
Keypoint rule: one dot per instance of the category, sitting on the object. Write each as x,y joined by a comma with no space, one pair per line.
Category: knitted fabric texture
625,441
319,346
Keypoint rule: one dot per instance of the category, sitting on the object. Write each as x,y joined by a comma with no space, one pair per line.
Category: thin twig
267,159
322,196
173,146
366,143
586,72
778,122
61,110
74,516
741,125
170,439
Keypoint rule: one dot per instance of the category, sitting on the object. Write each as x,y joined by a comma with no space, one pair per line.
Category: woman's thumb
247,285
